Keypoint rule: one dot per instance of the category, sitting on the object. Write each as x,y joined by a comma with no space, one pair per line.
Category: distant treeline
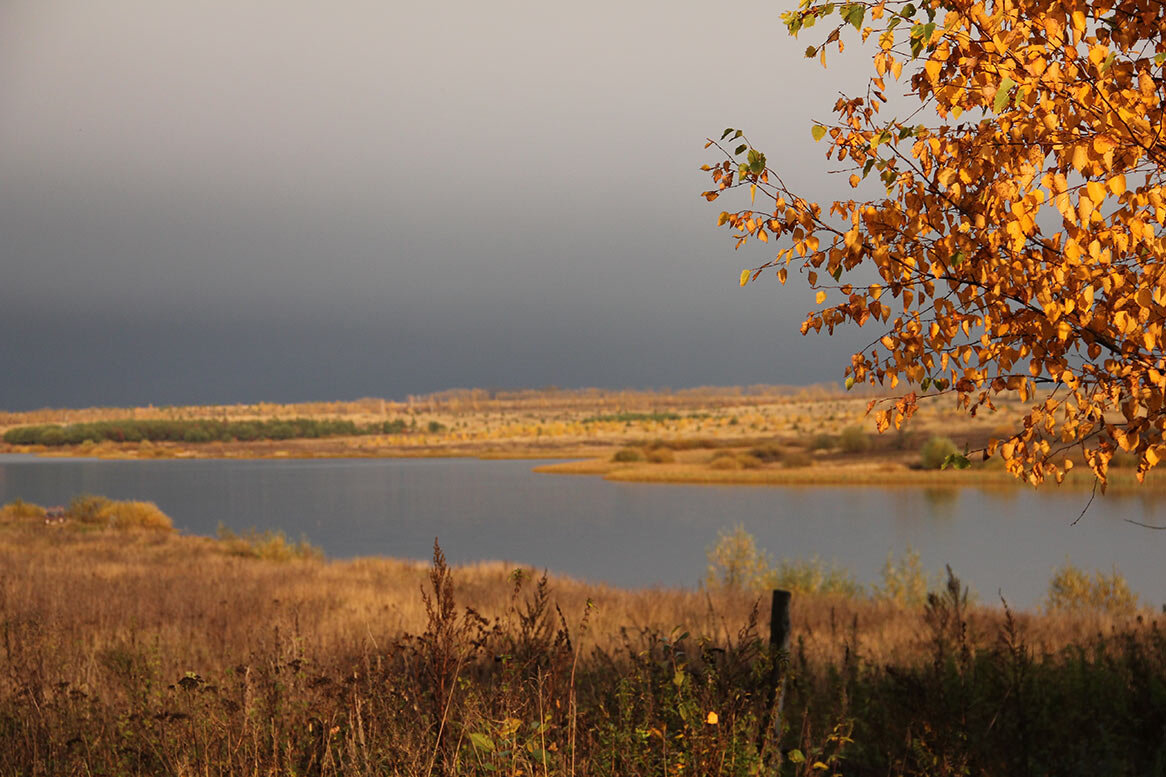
197,431
632,417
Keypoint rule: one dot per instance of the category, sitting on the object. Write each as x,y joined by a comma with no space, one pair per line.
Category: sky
282,200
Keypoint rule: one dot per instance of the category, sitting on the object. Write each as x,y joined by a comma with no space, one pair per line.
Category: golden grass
204,605
763,436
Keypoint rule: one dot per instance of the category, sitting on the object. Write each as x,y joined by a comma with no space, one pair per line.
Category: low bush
87,508
1073,588
267,545
725,460
194,431
822,442
735,561
935,452
768,452
661,456
854,440
628,455
905,581
627,418
749,461
135,515
18,510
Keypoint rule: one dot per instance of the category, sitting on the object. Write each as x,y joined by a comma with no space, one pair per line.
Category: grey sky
233,200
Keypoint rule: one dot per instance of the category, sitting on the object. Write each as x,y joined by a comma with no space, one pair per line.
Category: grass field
138,651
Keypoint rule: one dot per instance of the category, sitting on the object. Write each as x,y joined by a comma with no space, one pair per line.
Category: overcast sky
234,200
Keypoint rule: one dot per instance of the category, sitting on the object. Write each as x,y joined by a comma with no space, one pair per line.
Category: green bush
436,427
87,508
627,455
935,452
905,581
854,440
1072,588
735,561
267,545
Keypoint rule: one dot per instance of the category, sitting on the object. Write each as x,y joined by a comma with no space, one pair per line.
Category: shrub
905,581
1072,588
87,508
935,452
812,576
627,455
18,509
748,461
436,427
661,456
725,460
822,442
197,434
53,436
854,440
268,545
768,453
393,427
135,515
735,561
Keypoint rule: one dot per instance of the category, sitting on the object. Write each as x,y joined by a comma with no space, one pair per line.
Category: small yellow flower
712,719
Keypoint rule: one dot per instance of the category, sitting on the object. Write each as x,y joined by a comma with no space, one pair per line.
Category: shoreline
595,460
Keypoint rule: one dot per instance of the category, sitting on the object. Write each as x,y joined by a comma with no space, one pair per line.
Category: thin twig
1091,496
1144,525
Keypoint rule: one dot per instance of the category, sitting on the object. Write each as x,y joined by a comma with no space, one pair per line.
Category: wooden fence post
779,628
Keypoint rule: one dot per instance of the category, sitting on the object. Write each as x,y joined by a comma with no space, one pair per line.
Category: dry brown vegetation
758,435
136,651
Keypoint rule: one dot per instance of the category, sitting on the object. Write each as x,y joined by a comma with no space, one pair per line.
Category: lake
626,534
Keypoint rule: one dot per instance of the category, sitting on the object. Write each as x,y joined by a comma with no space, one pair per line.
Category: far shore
717,436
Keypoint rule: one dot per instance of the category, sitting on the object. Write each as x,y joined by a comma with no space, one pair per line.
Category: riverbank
133,651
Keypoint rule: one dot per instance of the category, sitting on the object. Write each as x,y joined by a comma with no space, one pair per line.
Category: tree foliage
1017,227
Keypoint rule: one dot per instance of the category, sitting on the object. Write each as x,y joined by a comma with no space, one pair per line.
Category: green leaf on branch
1002,94
956,461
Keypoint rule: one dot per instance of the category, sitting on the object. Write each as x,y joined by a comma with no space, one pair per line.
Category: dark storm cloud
230,201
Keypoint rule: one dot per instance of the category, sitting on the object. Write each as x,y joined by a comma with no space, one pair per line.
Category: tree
1018,237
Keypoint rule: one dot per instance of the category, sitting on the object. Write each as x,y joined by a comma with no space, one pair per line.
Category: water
1007,540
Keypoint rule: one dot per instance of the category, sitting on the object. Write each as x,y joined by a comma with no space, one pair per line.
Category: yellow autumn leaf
712,719
958,240
1096,192
745,276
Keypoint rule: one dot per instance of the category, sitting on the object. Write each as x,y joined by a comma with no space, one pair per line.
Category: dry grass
140,652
